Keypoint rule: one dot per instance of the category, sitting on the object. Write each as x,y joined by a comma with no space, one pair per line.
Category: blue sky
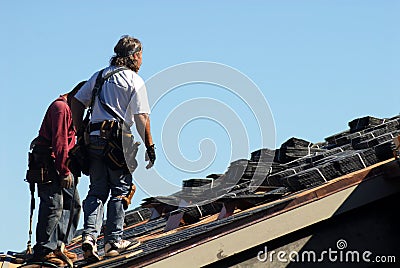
319,64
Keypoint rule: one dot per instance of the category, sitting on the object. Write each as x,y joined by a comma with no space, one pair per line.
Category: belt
95,126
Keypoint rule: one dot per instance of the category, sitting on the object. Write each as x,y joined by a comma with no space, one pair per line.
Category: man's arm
142,122
77,109
60,136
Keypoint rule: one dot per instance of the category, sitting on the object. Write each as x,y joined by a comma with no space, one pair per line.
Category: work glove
67,181
150,156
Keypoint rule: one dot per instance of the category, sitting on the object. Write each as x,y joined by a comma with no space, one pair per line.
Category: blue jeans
104,181
54,216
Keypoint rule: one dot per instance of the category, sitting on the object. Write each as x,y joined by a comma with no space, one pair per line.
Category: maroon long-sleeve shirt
57,128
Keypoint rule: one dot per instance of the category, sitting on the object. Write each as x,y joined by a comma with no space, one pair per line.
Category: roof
258,194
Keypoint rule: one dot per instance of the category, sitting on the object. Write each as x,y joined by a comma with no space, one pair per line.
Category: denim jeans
104,181
54,215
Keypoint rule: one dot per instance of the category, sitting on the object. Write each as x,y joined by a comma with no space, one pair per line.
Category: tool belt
95,126
120,145
41,167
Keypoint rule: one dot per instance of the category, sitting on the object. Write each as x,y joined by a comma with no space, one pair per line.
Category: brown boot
72,256
52,258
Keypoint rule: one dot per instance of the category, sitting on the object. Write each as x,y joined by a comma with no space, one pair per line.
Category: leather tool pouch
40,166
127,199
78,160
117,148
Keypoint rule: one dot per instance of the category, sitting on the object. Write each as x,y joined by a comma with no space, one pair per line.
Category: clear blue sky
319,64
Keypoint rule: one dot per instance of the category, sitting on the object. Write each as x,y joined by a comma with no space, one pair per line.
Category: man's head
128,53
74,91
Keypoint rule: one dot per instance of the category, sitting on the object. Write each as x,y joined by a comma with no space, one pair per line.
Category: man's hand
150,156
67,181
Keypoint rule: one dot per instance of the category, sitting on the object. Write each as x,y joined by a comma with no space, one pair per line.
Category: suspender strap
98,84
97,91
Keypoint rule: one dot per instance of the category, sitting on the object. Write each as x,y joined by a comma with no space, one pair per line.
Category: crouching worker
59,208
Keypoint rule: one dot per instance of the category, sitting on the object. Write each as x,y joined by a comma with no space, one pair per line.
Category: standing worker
59,208
117,98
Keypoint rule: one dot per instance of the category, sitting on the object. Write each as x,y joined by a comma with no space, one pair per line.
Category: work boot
52,258
48,258
89,248
70,255
112,249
